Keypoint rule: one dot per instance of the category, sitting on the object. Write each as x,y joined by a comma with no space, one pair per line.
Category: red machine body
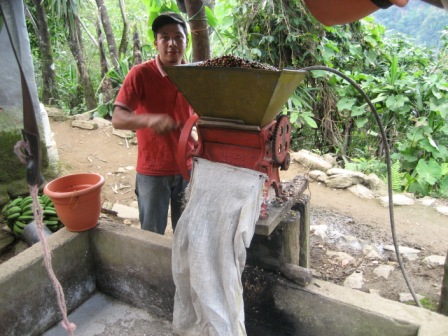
261,149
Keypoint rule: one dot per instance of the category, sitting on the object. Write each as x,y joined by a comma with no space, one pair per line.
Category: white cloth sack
209,249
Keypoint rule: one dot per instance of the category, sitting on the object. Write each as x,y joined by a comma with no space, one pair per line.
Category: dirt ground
366,221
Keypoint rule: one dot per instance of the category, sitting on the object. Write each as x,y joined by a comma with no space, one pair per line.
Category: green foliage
299,112
417,20
155,7
116,77
367,166
426,303
397,176
70,91
407,84
373,165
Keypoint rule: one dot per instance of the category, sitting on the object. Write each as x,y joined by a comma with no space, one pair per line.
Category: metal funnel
252,95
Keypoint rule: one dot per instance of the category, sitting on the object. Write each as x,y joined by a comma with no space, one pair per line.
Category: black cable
389,172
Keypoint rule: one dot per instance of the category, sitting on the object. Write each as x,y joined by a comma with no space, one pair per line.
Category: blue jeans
154,195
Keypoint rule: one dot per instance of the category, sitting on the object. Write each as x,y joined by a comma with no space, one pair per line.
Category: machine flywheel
281,142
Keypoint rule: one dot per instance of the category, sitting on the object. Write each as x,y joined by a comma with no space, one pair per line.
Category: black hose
389,172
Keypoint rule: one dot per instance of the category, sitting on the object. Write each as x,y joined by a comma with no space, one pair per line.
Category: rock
352,241
340,171
84,124
361,191
322,178
317,175
134,204
330,159
342,181
316,273
442,210
51,110
57,114
383,271
407,297
319,231
20,247
101,122
408,252
299,275
398,199
427,201
340,256
83,116
61,117
310,160
434,261
123,133
124,211
107,205
6,239
375,292
354,280
374,183
403,249
372,252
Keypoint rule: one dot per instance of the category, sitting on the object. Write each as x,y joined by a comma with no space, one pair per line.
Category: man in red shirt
150,103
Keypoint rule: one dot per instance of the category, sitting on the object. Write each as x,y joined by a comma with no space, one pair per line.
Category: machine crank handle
183,153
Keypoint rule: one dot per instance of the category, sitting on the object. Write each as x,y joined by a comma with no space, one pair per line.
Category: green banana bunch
12,210
19,213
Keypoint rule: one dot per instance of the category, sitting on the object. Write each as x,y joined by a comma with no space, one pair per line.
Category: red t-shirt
146,90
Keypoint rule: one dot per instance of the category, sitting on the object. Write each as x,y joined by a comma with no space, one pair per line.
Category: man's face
171,43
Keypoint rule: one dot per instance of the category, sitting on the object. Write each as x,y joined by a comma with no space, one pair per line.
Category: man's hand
161,123
123,118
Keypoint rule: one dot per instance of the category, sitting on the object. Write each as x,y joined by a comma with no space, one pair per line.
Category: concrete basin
125,274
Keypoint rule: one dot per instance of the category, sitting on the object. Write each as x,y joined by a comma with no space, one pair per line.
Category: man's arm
122,118
334,12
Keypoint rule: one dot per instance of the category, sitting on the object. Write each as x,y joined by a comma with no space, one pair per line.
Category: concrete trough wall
28,304
135,267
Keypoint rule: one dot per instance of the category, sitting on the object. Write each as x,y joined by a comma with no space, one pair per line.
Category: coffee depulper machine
237,118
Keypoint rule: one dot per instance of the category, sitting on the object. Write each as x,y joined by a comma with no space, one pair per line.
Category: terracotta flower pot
77,200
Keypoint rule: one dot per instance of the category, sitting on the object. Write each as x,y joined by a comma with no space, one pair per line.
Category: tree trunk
199,30
443,305
137,48
103,59
108,31
106,87
125,33
49,92
75,44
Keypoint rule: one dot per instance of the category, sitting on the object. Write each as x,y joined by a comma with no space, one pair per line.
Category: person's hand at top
399,3
334,12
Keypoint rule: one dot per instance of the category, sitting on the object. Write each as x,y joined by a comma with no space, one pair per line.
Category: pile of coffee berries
229,61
